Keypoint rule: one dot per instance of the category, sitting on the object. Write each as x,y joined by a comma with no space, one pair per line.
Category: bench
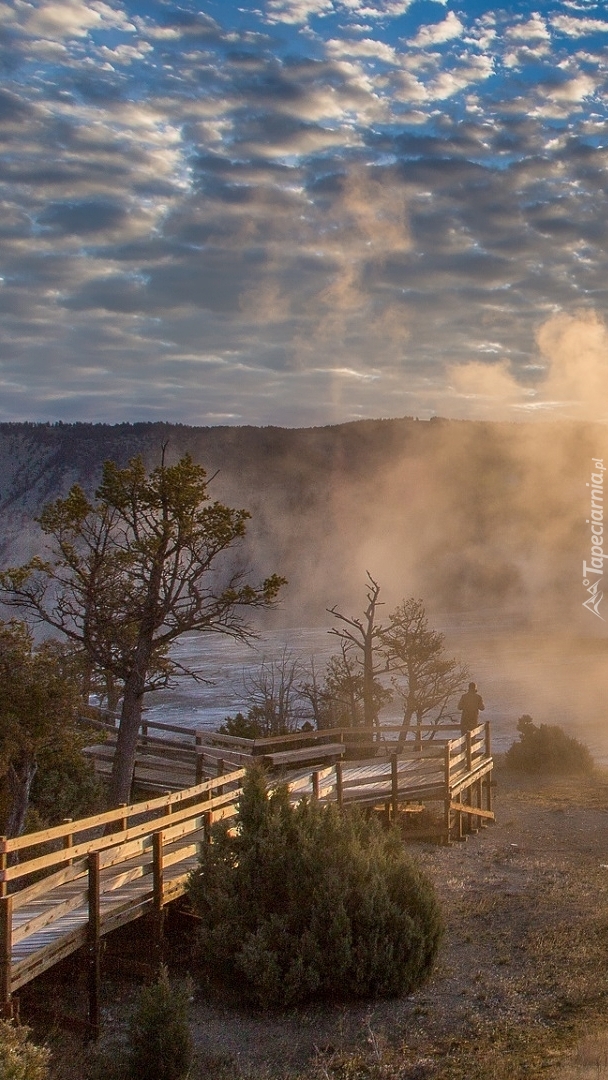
309,755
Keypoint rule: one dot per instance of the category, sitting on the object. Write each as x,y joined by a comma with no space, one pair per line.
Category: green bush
159,1040
309,902
243,727
547,749
19,1058
65,786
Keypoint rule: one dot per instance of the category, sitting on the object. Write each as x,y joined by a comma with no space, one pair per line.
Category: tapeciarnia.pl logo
594,569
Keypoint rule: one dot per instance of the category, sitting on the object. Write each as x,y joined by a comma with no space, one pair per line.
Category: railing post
198,768
459,831
158,887
68,839
220,772
315,785
469,752
394,786
339,785
488,739
3,865
122,820
481,824
6,949
448,792
198,757
94,943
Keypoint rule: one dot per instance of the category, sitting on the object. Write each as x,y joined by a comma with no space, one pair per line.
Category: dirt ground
520,985
526,948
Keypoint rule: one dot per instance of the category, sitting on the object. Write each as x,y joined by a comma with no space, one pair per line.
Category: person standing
470,706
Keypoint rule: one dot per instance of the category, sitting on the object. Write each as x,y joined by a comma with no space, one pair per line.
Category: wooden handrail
355,734
72,834
158,841
159,806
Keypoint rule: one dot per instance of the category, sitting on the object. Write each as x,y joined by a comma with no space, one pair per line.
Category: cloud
578,27
126,54
297,12
575,90
276,136
534,29
287,202
83,217
438,33
474,69
366,47
517,58
352,224
69,18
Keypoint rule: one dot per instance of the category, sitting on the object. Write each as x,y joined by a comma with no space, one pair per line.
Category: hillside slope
466,514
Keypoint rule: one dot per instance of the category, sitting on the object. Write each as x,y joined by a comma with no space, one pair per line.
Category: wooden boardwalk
100,873
76,883
177,757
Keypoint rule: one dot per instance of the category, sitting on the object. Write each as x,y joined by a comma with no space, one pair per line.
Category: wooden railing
99,873
170,755
76,882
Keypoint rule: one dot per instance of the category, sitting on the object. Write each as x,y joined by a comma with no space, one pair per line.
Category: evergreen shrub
160,1045
309,902
20,1059
547,749
243,727
65,786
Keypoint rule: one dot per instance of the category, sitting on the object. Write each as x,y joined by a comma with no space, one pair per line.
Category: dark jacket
470,705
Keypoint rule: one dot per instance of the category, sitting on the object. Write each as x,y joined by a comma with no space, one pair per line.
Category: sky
303,212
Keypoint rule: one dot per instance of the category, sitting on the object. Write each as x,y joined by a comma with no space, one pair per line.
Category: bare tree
275,693
425,679
341,694
361,638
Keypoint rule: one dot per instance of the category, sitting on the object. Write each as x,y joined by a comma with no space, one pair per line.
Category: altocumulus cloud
302,211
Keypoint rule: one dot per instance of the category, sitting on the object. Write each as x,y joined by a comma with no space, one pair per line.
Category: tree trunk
113,692
19,781
370,718
123,766
409,712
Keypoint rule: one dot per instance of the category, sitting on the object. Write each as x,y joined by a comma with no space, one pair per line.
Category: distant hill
466,514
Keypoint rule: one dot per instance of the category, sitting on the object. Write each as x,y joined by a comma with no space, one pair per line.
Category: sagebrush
547,749
309,902
160,1044
20,1059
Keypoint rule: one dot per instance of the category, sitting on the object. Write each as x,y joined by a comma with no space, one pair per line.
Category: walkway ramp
99,874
